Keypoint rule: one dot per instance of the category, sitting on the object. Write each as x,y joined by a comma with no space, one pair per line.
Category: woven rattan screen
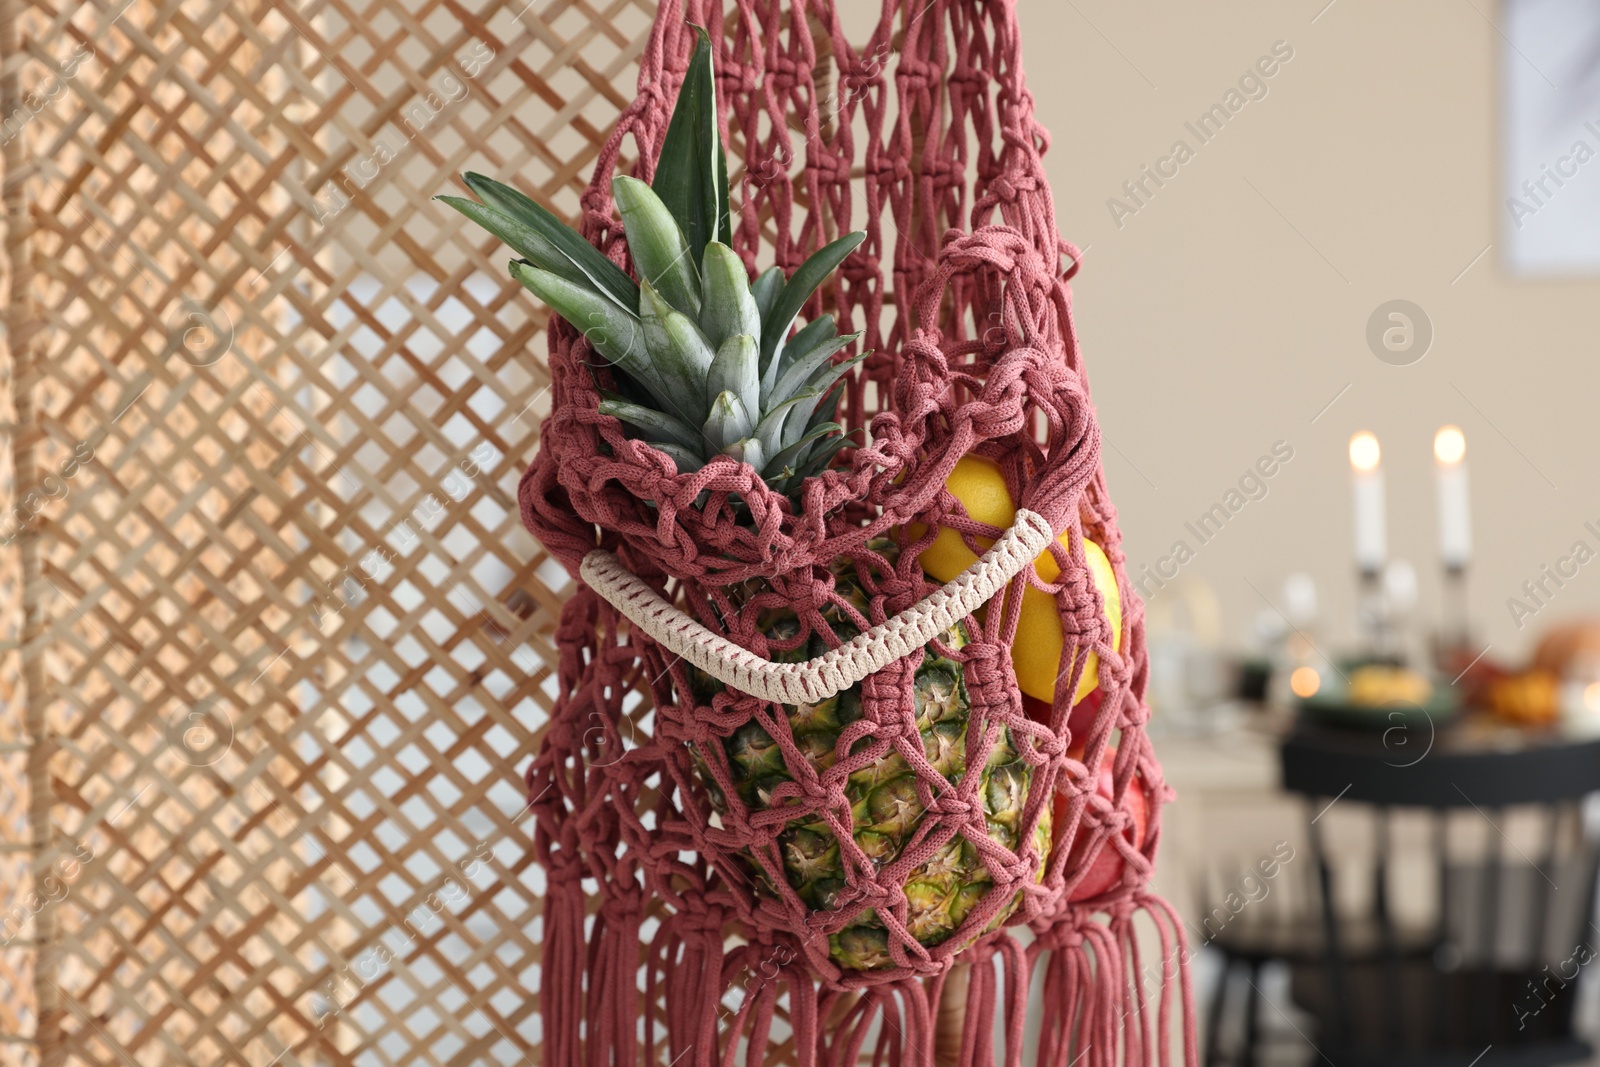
276,644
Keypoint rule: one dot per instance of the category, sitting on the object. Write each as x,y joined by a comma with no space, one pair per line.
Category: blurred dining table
1232,805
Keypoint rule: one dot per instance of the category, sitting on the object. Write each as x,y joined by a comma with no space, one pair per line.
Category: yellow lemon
1036,649
981,488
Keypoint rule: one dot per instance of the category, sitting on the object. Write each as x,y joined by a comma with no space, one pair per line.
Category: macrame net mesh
925,127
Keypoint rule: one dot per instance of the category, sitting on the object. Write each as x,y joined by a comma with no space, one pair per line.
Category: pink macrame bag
683,959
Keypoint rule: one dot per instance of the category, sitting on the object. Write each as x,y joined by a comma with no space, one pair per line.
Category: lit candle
1371,540
1455,517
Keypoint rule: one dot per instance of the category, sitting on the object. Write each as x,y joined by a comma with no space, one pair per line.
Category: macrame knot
700,913
1045,745
861,268
991,687
829,168
1074,779
782,77
965,251
1009,188
1081,616
653,100
1115,820
915,75
624,906
891,688
1022,138
980,656
942,174
970,79
999,414
1138,714
952,806
1068,936
736,78
1031,268
564,867
596,209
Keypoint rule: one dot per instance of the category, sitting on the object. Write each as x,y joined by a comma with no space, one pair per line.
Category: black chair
1489,977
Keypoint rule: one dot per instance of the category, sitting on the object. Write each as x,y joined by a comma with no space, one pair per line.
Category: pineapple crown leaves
707,364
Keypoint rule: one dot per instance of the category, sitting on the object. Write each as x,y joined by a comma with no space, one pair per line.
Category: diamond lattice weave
277,760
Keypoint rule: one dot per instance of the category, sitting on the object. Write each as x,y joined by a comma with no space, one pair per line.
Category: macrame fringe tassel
613,972
1104,1005
560,996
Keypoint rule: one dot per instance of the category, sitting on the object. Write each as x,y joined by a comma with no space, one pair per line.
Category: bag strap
840,668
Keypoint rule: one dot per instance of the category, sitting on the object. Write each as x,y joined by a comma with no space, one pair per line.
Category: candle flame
1304,682
1364,452
1449,445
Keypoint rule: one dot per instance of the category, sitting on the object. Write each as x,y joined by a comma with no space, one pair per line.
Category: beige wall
1213,329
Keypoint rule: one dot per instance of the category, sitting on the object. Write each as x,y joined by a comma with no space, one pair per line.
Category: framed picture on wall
1550,141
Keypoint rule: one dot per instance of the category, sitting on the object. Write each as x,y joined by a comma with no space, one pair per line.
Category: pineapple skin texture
885,809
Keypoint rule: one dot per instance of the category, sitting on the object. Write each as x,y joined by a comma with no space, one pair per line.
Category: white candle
1455,516
1371,537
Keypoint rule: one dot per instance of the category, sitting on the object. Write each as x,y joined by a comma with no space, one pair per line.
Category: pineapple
705,362
885,809
705,367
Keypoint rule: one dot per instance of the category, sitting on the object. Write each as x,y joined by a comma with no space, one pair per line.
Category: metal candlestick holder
1375,618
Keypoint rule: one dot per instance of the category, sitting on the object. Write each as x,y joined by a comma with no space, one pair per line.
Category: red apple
1079,720
1082,717
1106,871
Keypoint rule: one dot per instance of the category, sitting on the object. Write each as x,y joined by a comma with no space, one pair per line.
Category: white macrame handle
840,668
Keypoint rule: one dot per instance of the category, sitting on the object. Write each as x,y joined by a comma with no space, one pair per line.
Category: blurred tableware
1189,678
1378,696
1526,698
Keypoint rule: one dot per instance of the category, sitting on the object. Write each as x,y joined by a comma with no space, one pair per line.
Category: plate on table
1390,697
1335,710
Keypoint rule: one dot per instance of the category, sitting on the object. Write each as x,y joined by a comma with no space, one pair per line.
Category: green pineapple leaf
679,353
605,276
735,370
769,431
615,332
529,243
796,375
826,410
704,362
766,290
748,451
660,253
810,274
730,308
821,456
826,374
656,426
687,459
691,174
815,389
805,339
785,460
729,422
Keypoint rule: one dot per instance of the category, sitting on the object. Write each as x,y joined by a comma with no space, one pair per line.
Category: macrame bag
697,946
